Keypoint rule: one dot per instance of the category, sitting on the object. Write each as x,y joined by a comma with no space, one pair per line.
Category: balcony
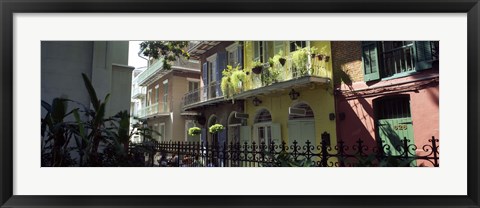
138,92
156,109
202,96
283,77
150,73
156,70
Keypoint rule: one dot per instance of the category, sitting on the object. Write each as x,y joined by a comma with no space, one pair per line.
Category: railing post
405,148
435,152
178,154
325,142
341,154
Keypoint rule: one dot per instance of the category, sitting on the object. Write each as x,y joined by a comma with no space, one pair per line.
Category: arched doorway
301,124
262,127
233,128
211,121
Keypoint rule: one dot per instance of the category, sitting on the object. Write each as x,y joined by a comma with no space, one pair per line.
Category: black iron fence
342,154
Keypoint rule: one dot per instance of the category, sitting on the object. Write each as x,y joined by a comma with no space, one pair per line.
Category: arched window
211,121
308,112
263,116
262,127
301,124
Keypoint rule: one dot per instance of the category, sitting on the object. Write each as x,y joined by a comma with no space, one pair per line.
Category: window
193,86
260,52
264,130
278,46
263,116
295,44
393,108
212,75
396,58
232,55
165,95
211,68
157,92
161,130
149,97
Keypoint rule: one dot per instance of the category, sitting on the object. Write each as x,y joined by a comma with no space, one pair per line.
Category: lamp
294,94
256,101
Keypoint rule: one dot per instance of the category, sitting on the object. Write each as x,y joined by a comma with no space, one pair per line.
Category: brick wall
347,61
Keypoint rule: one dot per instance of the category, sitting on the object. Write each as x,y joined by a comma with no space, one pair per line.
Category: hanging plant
257,67
232,81
194,131
320,57
215,128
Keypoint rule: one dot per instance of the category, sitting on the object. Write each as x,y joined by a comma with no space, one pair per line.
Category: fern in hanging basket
216,128
194,131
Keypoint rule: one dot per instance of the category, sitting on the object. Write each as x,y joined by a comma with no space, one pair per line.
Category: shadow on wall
357,122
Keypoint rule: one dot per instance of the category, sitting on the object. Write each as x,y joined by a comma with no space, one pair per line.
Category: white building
104,62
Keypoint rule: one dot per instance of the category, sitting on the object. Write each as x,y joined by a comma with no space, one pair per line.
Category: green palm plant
99,140
56,134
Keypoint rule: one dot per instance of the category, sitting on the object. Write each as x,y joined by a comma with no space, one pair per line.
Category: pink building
386,91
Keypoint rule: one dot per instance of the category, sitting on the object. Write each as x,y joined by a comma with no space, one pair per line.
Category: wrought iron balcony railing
150,71
313,66
138,91
154,109
202,94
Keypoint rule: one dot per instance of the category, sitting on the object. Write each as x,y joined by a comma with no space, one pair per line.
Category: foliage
215,128
194,131
169,51
257,64
300,60
232,81
97,140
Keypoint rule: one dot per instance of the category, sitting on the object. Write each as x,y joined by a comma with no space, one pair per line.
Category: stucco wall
63,62
355,100
177,87
120,96
319,97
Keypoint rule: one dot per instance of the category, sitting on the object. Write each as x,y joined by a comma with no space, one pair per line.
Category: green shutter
371,69
423,55
276,133
245,134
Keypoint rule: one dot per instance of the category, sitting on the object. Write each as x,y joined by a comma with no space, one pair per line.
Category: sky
133,59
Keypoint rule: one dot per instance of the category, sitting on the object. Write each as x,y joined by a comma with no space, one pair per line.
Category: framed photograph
243,104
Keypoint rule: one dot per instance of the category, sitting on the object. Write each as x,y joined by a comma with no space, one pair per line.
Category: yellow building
290,97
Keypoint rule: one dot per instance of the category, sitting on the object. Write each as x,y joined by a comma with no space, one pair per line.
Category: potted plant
257,67
320,57
215,128
282,61
194,131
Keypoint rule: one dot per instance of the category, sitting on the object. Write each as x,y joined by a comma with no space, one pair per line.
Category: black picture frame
10,7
